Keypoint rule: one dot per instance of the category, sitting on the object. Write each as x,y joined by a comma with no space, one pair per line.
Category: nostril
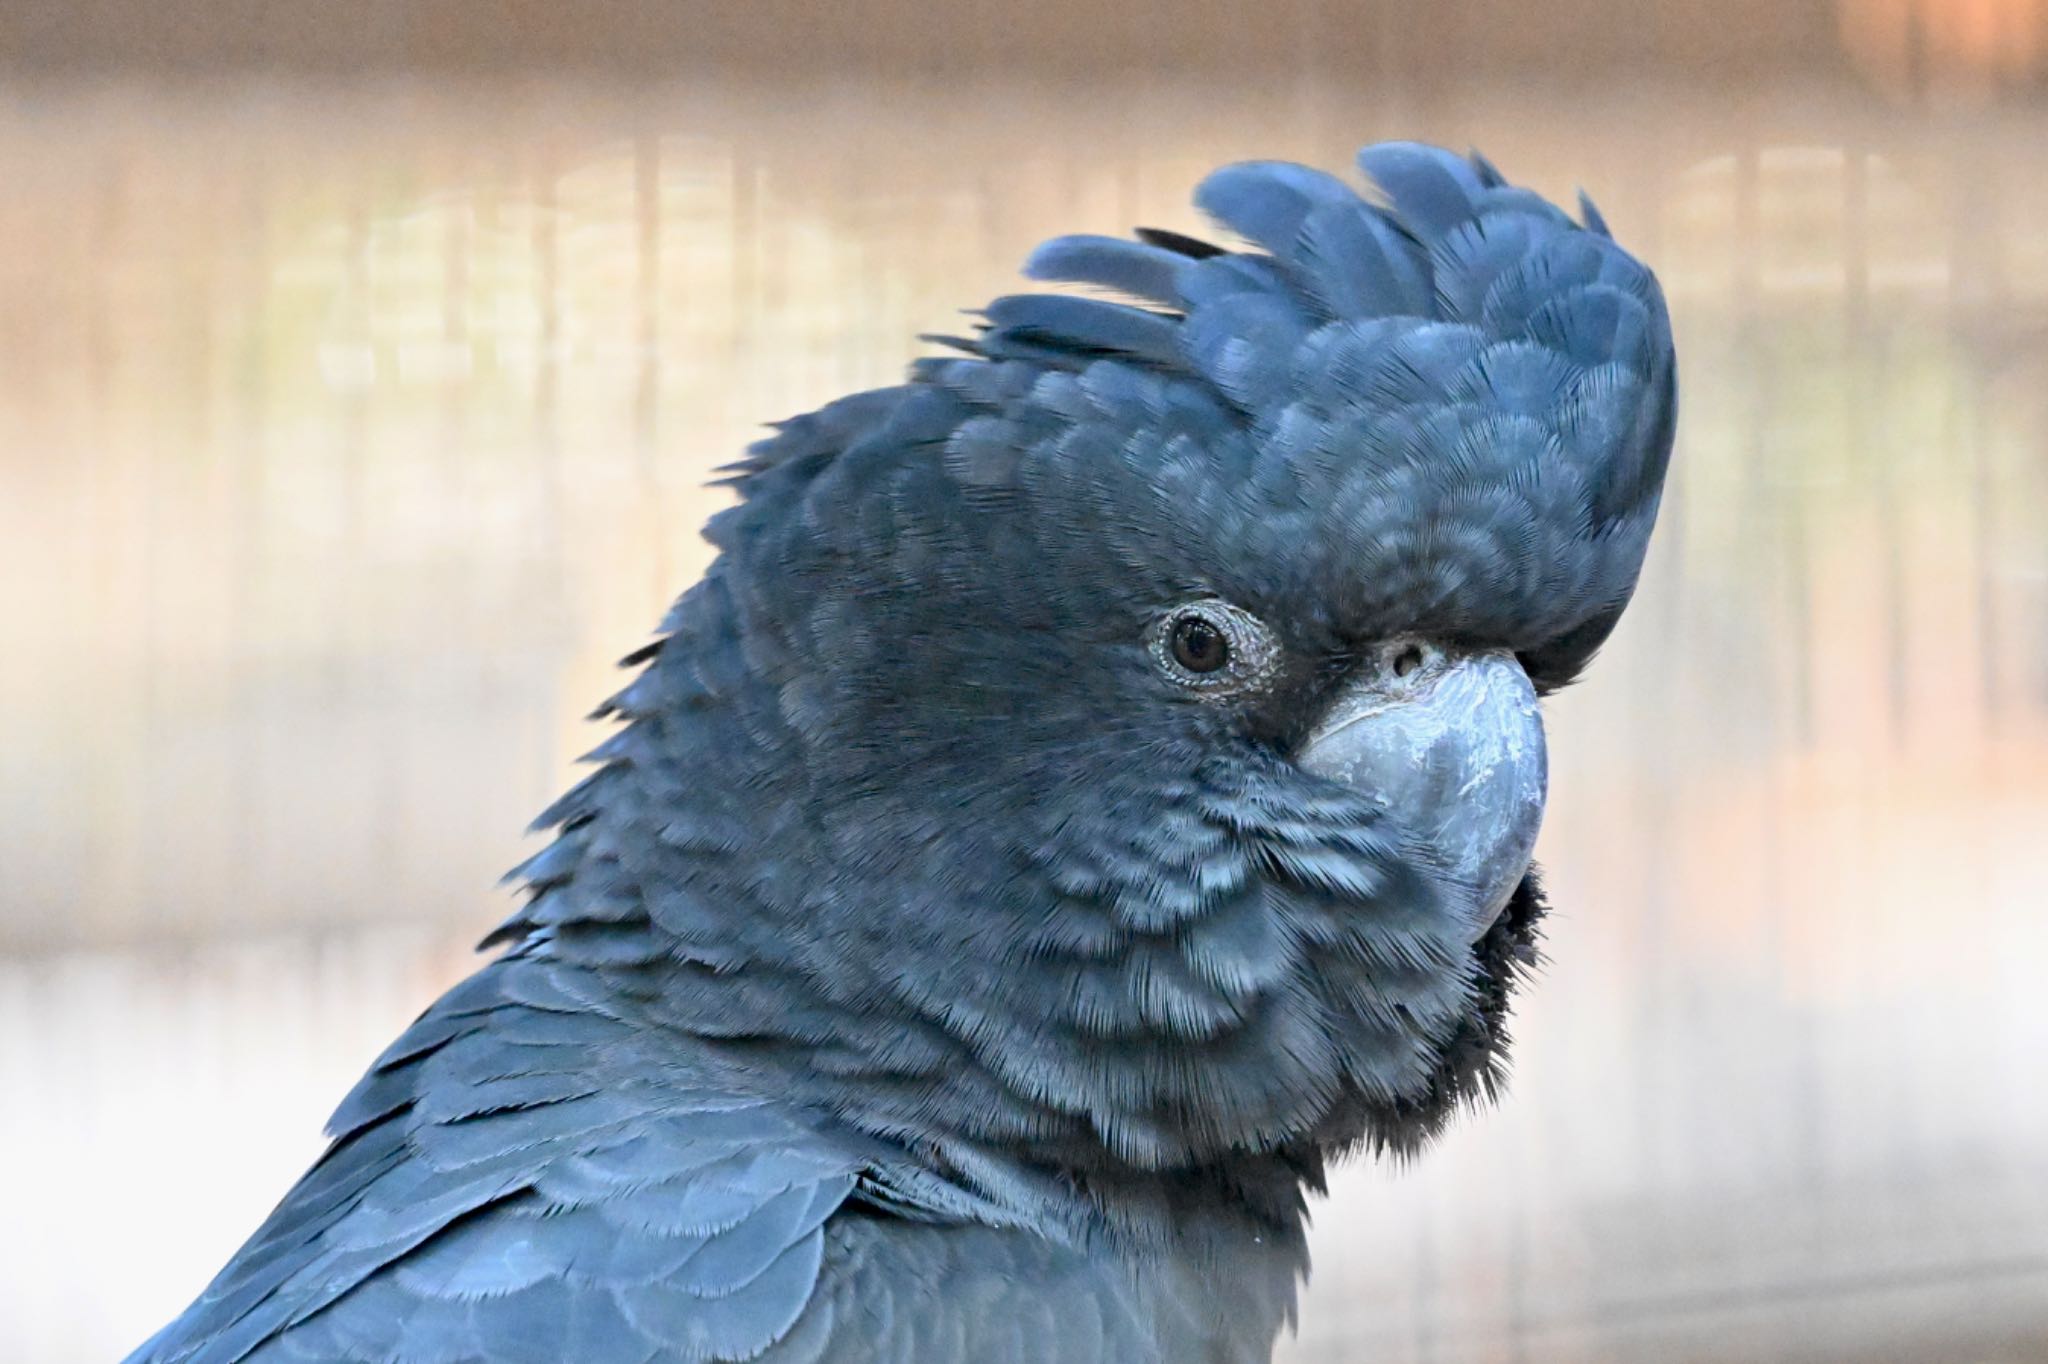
1407,660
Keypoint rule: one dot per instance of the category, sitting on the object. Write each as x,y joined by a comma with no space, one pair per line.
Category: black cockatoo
1093,787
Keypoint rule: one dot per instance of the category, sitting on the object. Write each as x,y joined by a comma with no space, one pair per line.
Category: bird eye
1212,647
1408,660
1199,645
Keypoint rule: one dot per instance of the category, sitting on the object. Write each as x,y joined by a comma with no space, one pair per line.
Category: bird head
1120,743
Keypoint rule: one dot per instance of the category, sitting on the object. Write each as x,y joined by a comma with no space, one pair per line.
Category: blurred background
361,367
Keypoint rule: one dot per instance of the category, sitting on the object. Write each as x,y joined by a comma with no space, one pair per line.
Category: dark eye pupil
1198,645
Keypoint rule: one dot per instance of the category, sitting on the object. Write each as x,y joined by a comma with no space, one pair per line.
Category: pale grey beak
1451,745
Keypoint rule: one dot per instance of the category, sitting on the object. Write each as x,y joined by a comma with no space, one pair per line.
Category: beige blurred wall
1734,38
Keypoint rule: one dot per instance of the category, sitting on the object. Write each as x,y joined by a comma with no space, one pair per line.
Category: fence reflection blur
351,433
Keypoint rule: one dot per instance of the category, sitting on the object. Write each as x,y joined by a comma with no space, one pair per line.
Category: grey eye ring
1213,648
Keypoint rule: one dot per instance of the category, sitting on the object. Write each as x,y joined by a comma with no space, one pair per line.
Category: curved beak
1451,745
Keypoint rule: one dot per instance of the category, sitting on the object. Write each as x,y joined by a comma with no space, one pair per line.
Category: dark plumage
936,967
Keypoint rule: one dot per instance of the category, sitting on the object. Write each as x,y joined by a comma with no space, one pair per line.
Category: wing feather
512,1183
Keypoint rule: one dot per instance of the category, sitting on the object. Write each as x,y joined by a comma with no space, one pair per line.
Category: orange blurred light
1950,46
